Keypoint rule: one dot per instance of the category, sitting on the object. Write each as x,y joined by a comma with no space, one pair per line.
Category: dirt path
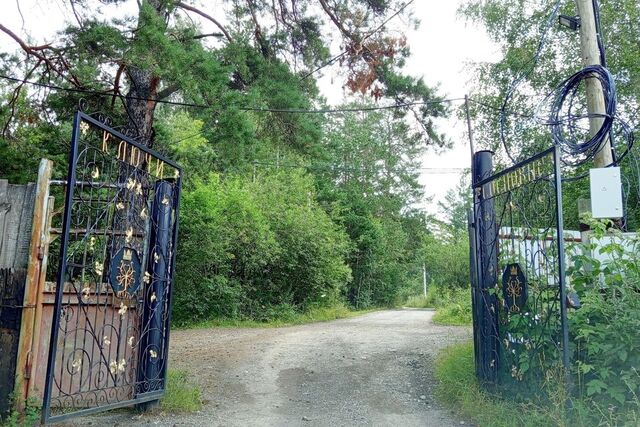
371,370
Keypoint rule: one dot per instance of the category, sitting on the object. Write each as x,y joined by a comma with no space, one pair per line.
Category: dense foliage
282,212
251,249
606,276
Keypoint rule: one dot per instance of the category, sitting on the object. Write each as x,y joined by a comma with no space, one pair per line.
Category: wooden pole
590,53
469,130
35,280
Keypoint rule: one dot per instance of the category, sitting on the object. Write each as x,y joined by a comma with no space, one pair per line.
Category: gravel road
376,369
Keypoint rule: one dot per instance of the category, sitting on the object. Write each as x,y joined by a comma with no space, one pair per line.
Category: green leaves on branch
248,247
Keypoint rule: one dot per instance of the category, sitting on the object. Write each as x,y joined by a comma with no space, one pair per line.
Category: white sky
441,48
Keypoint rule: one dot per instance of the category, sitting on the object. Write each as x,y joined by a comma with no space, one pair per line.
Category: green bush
256,250
447,260
605,330
452,304
456,312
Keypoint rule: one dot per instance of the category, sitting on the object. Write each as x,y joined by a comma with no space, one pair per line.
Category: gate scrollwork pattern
519,307
110,329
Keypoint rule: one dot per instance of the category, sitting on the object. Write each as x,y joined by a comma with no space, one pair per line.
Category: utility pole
424,278
469,129
590,53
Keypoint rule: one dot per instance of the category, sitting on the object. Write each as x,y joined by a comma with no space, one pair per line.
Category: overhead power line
329,167
254,109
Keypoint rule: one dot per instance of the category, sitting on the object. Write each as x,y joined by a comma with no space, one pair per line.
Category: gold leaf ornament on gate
84,127
129,234
514,288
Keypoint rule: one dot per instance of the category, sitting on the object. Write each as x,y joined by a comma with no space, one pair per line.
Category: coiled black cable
564,123
569,142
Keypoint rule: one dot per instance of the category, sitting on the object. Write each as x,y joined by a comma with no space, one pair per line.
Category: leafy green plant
452,304
605,273
29,417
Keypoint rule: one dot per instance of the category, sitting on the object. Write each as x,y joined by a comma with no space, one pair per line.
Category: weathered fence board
16,211
11,294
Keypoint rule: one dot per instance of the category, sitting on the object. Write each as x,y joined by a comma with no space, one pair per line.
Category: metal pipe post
487,275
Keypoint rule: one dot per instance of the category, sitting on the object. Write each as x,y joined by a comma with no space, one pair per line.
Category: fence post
35,279
487,272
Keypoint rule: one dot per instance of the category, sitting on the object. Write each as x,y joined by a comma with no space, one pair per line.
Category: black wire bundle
584,151
569,142
563,121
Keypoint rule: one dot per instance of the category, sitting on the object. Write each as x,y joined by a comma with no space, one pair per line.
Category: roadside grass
181,395
289,318
452,305
459,390
419,301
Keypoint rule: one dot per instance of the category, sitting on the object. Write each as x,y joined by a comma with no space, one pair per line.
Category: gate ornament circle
125,272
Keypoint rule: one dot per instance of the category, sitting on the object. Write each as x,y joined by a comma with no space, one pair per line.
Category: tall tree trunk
141,99
141,104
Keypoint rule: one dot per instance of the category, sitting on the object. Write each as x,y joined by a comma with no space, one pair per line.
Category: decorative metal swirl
110,339
517,224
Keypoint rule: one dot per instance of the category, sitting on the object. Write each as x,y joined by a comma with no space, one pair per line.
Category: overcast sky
441,48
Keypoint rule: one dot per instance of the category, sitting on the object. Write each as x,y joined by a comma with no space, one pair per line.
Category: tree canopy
282,210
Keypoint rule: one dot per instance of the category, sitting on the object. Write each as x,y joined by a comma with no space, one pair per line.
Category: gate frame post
473,271
564,322
486,270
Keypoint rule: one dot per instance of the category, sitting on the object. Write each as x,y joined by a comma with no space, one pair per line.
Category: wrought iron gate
110,330
518,272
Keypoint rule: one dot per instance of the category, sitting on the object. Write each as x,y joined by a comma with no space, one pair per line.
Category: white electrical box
606,193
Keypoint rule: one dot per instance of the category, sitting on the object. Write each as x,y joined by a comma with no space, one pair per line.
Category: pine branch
207,16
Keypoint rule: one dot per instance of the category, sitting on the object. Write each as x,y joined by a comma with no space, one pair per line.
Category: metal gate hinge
27,367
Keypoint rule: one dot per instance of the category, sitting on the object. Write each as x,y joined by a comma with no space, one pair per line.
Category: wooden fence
24,224
16,210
